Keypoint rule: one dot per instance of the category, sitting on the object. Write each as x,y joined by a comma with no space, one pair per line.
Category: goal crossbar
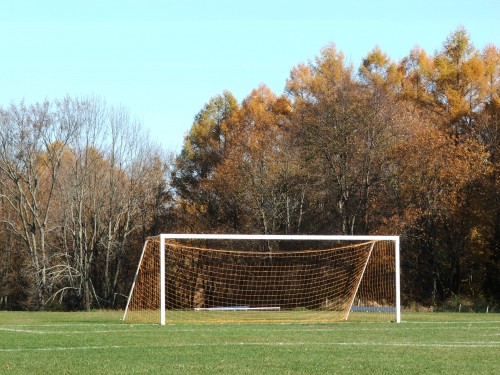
277,237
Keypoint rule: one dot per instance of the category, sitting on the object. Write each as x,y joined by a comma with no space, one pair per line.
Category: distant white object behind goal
266,278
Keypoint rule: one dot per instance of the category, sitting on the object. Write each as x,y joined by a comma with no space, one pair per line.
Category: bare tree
31,150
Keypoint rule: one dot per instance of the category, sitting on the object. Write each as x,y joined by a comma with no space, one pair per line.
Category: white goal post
202,273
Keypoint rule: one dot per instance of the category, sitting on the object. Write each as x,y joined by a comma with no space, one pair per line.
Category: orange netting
264,281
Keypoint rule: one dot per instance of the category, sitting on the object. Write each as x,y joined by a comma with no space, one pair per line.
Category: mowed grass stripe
470,344
230,328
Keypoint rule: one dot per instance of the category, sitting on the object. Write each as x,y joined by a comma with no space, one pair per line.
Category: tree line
80,187
408,147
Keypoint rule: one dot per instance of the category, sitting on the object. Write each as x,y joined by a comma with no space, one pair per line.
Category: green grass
98,343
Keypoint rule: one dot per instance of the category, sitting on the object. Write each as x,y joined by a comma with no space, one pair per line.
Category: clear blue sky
165,59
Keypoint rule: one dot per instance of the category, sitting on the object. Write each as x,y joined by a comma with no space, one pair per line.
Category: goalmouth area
266,278
99,343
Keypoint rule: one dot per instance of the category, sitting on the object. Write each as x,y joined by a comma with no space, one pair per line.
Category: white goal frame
187,236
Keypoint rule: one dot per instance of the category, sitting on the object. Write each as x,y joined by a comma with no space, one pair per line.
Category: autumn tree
450,121
202,151
342,135
451,83
258,184
487,130
430,176
379,72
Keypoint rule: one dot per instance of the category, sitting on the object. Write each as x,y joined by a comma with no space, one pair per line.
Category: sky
163,60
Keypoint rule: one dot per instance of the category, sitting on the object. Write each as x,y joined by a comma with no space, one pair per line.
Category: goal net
265,278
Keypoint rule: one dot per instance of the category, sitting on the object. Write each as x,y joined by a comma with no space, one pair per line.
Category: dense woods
407,147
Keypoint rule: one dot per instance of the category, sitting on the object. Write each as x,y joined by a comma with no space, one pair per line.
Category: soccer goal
266,278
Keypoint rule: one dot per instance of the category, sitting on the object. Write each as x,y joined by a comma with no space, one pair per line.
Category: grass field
98,343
